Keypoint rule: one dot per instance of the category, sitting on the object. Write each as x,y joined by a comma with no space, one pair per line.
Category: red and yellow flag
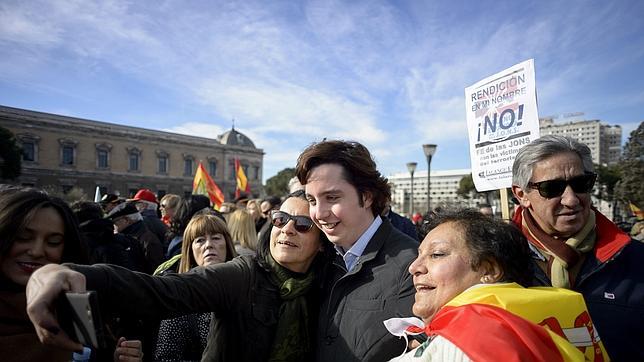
637,212
509,315
204,185
242,181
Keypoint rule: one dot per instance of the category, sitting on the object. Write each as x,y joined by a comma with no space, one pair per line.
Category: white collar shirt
352,255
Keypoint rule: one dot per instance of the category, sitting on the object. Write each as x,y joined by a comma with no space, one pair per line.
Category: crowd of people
329,271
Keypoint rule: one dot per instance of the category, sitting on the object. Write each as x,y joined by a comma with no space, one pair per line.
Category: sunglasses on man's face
554,188
280,219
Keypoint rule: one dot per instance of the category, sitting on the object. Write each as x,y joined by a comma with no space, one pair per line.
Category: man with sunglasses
574,246
368,281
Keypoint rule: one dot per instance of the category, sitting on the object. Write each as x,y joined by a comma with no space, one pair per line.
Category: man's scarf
562,255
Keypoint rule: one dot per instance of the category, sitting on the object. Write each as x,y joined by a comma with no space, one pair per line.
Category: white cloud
292,109
389,74
197,129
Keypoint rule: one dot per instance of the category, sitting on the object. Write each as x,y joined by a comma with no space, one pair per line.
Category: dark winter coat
239,292
151,245
355,304
611,280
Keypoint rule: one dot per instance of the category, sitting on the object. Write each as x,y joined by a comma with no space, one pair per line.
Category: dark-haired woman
264,306
469,278
35,229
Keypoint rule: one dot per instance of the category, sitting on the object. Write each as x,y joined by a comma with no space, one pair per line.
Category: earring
485,279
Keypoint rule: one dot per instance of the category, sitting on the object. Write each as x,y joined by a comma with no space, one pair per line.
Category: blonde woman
168,206
242,230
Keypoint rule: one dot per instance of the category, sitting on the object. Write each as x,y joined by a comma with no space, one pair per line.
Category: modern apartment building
444,185
61,153
605,141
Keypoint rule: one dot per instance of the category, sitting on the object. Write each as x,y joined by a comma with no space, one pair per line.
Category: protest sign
501,118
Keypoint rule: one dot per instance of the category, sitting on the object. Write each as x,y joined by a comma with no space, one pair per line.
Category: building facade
604,141
444,185
61,153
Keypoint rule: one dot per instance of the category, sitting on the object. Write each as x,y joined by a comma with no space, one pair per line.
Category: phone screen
79,316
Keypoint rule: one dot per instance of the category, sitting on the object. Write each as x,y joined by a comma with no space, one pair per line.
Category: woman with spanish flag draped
470,278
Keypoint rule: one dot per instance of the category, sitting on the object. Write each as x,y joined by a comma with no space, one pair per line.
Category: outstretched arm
43,289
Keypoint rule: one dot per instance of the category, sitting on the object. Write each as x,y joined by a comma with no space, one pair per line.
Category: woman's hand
131,351
44,287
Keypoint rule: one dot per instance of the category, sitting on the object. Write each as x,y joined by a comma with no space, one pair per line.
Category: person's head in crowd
86,211
168,205
241,201
270,203
109,201
486,209
294,240
227,208
637,231
464,248
186,209
253,209
242,229
206,241
344,188
124,215
294,185
417,218
145,199
552,178
36,229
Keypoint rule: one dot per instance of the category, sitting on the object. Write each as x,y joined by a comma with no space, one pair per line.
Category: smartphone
80,318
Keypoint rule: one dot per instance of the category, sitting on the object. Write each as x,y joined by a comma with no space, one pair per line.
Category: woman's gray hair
542,148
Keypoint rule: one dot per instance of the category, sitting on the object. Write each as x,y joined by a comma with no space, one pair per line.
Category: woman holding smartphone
265,306
35,230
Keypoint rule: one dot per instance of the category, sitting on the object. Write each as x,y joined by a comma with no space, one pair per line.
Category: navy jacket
611,280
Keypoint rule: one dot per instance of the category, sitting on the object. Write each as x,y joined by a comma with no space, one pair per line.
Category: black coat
379,287
239,292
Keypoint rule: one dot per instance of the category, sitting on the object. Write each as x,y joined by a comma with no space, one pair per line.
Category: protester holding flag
469,278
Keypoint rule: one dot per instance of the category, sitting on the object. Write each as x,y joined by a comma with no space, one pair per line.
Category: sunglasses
554,188
280,219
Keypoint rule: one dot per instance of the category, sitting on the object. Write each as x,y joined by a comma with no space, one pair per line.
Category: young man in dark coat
368,281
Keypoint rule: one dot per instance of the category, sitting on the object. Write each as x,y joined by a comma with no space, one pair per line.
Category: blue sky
388,74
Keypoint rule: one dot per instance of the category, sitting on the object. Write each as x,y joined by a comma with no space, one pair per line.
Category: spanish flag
637,212
204,185
242,181
506,322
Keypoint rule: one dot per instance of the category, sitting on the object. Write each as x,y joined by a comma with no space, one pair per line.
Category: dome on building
235,138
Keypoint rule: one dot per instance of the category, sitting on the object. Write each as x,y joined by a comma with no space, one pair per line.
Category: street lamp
429,150
411,166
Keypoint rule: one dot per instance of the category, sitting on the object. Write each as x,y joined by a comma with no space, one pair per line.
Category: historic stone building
62,152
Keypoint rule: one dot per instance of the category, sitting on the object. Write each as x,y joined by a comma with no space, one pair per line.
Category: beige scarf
561,256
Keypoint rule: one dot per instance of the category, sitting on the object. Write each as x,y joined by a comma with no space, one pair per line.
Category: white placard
501,118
